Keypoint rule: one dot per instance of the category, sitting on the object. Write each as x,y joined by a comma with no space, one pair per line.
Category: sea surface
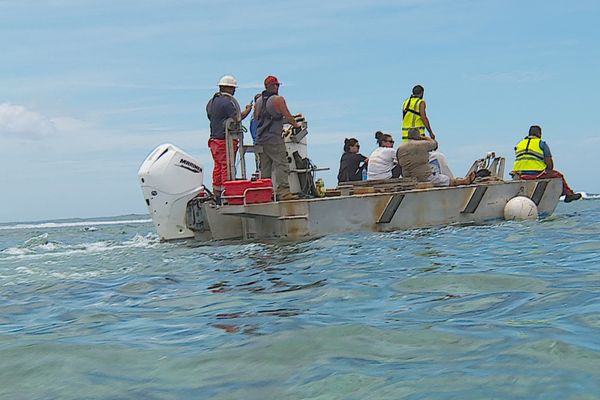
103,310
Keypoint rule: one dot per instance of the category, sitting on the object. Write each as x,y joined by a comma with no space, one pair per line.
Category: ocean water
103,310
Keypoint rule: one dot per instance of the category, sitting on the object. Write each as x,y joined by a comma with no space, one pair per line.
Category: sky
89,88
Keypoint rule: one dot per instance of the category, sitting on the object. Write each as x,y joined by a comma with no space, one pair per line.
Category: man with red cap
270,113
219,109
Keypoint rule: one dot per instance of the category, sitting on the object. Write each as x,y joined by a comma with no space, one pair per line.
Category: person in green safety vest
414,115
533,160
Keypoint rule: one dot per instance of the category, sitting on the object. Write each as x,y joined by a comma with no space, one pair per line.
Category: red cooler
248,192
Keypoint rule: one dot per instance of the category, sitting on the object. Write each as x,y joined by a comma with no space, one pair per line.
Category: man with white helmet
219,109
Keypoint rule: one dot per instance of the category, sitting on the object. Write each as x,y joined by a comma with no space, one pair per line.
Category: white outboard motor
170,178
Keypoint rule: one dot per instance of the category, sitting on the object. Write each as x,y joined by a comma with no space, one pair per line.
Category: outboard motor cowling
170,178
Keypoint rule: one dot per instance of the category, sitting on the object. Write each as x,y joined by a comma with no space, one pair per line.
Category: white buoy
520,208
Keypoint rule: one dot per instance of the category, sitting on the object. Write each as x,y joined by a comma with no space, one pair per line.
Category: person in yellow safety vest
414,115
533,160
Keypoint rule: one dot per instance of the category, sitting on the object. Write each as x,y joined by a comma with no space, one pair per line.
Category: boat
181,207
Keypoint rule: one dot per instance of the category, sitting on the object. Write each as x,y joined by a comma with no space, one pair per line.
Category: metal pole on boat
229,154
242,155
233,131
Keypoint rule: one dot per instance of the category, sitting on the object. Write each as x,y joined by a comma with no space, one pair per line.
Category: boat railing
491,162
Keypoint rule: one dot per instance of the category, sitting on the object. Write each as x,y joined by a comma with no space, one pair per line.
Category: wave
585,196
90,224
40,247
589,196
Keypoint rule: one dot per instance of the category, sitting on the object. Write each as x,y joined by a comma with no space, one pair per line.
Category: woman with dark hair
352,162
383,164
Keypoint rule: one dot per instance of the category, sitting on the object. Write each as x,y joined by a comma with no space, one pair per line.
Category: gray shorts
439,180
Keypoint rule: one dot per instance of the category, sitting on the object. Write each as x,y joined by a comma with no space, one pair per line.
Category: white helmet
228,80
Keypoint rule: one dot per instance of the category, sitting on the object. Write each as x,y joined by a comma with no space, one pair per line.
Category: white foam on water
142,241
89,225
590,196
24,270
77,275
15,251
49,246
54,250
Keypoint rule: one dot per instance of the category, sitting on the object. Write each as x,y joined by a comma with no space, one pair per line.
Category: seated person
352,162
382,162
439,163
413,157
533,160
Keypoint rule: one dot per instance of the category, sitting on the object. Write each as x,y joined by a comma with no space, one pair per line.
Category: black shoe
572,197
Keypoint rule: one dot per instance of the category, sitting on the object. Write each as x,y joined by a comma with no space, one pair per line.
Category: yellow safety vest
529,156
411,117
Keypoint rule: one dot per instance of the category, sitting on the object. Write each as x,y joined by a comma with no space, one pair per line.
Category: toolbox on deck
248,191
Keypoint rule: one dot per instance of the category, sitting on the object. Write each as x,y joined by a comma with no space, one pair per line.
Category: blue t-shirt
218,110
253,127
547,153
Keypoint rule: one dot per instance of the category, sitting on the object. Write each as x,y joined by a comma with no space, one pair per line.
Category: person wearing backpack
271,112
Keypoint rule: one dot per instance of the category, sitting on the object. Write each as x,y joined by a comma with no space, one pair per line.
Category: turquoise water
106,311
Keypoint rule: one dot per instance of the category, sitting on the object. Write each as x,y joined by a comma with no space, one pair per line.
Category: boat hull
376,212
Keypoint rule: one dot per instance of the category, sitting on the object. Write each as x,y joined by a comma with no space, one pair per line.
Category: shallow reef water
106,311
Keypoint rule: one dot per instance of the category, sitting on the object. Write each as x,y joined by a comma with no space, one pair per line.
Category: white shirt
381,163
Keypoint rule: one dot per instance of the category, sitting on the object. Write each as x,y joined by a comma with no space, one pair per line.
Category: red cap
271,80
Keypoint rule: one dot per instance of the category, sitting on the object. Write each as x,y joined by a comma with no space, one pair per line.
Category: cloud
18,121
72,138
